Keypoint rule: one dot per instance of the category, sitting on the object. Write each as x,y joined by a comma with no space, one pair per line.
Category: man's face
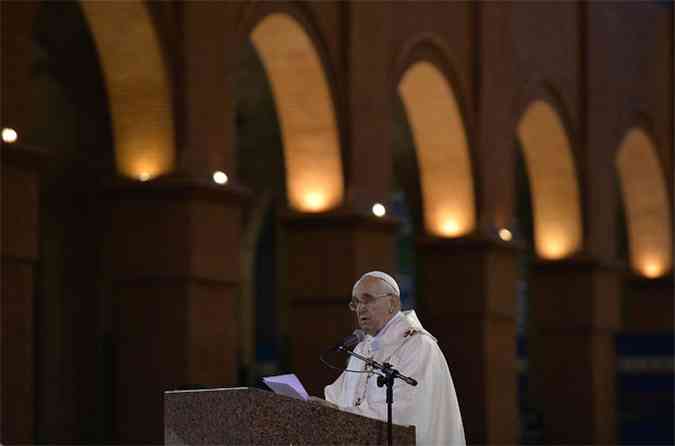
375,300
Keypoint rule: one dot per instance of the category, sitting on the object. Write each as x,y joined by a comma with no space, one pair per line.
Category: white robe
431,406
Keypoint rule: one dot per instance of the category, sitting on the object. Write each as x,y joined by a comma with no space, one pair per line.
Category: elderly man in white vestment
398,338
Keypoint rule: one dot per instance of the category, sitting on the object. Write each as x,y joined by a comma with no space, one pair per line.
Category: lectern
248,416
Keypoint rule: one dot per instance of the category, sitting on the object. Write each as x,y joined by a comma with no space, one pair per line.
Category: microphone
407,379
352,339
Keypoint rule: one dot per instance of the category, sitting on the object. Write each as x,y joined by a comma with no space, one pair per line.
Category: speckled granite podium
248,416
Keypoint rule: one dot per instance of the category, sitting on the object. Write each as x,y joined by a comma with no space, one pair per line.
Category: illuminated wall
645,204
138,86
442,151
305,109
553,180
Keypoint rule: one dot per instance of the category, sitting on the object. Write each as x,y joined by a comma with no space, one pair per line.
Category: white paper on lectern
288,385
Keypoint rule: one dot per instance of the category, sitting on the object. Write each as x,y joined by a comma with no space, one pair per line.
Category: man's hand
323,402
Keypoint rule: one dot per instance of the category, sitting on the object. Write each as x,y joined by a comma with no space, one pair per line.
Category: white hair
386,278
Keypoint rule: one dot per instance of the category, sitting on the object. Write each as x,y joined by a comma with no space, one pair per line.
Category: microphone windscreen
357,336
360,335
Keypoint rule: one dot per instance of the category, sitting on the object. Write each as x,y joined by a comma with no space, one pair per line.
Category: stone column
467,299
574,315
326,254
174,249
20,235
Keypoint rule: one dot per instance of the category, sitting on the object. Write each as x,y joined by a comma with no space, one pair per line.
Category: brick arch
305,105
549,158
138,86
646,203
435,113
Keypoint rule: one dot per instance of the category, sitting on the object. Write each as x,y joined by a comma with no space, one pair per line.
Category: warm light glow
450,228
652,269
505,235
646,204
220,177
304,104
9,135
143,147
146,169
553,249
554,190
379,210
314,202
442,150
450,222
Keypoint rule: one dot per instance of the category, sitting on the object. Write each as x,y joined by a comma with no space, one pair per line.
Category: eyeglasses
367,301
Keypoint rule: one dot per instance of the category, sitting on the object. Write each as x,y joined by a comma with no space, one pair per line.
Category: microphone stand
387,375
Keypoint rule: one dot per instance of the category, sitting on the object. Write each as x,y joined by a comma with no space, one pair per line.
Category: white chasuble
431,406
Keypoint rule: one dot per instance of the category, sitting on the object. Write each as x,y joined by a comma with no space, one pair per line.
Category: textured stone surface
252,416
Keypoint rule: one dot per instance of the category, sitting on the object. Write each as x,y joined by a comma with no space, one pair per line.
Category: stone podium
249,416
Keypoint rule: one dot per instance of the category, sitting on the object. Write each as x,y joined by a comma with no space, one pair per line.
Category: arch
553,178
439,134
313,163
138,85
645,199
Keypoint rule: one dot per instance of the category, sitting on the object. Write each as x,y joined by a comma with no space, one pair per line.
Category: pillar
326,254
20,235
174,250
575,314
467,300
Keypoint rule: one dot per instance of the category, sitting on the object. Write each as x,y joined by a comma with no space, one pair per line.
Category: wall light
9,135
220,177
553,249
505,235
379,210
450,228
314,202
144,176
652,268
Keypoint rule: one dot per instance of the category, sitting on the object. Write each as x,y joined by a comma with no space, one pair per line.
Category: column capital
469,242
579,263
579,294
358,243
176,187
24,156
340,217
647,305
645,283
178,227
